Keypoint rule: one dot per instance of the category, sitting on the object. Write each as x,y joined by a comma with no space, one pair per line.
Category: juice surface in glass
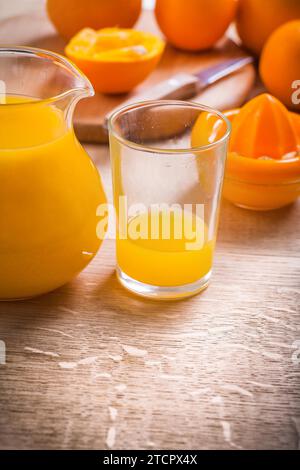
49,193
166,249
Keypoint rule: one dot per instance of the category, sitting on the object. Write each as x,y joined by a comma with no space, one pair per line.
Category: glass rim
158,103
54,57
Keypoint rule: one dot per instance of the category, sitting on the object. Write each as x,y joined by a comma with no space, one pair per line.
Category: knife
182,86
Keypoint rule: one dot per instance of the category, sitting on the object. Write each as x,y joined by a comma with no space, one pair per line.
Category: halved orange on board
115,60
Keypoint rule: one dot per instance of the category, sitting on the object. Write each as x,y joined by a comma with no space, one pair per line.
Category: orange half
115,60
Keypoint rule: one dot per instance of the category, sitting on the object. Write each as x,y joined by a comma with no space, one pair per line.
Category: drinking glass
168,173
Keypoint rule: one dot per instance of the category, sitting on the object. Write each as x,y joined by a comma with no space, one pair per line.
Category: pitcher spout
81,86
42,75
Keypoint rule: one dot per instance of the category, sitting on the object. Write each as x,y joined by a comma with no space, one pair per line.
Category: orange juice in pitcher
49,187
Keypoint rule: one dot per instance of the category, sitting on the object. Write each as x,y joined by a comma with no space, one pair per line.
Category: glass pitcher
49,188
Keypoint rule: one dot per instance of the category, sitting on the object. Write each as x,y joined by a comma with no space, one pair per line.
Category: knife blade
179,87
184,86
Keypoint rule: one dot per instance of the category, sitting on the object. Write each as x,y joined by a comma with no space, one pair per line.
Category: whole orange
70,16
280,64
257,19
194,24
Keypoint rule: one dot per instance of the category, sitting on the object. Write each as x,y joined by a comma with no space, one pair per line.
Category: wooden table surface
91,366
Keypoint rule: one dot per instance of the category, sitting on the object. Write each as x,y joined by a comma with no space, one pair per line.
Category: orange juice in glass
181,256
49,187
167,196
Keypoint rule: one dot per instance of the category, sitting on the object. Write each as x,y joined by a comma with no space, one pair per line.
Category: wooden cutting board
34,29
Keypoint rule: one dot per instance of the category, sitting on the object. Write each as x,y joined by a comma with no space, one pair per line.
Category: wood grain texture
218,373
